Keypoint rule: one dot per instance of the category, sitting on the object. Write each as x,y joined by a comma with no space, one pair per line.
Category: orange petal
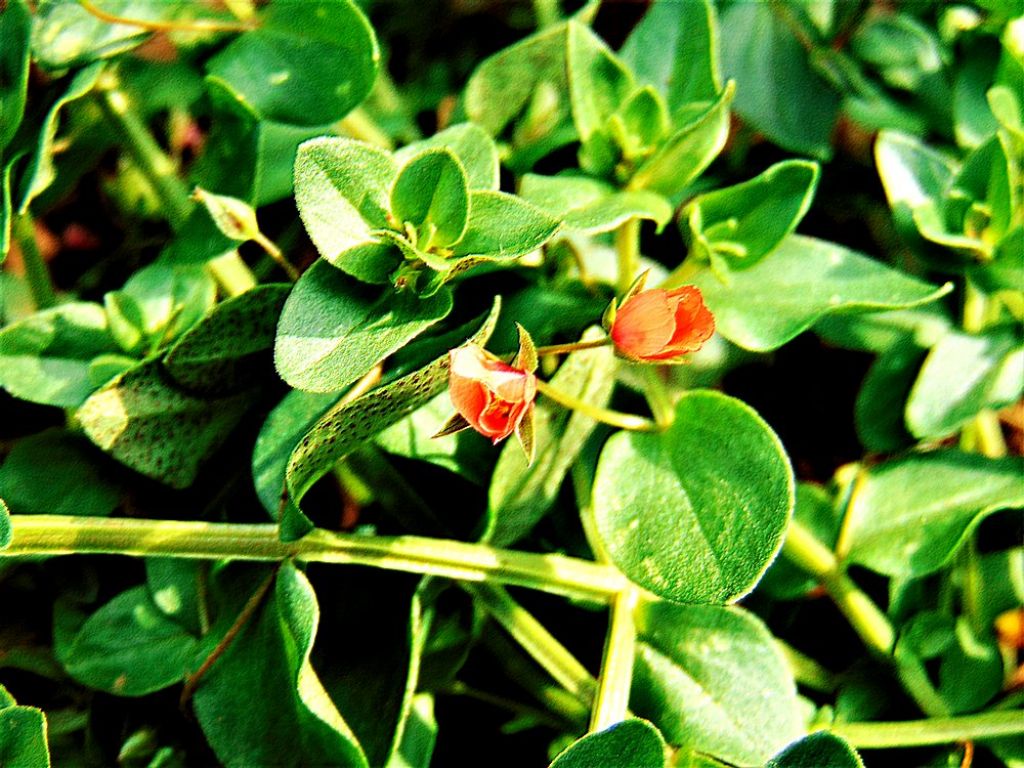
644,324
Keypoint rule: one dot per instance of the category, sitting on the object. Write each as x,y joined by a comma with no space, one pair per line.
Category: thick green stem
873,627
535,639
69,535
627,245
603,415
943,730
658,397
36,272
612,703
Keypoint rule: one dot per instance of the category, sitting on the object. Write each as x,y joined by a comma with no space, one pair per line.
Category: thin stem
576,346
359,125
70,535
535,639
612,703
156,25
458,688
248,611
36,272
942,730
866,618
627,246
275,253
806,671
603,415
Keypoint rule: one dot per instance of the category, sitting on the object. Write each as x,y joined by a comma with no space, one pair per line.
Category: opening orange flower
658,325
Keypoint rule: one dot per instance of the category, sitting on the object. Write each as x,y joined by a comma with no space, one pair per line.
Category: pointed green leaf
713,678
431,194
675,48
686,153
157,656
738,226
342,191
910,515
634,743
598,81
230,348
283,67
695,513
46,357
503,226
988,371
471,144
342,429
15,28
521,494
285,698
334,329
144,421
591,206
819,750
803,280
878,412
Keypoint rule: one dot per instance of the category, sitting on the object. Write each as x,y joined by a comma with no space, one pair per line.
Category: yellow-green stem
564,349
611,705
69,535
37,275
157,25
275,253
603,415
919,733
627,246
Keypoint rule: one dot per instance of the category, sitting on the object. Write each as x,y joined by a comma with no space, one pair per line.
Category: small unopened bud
235,218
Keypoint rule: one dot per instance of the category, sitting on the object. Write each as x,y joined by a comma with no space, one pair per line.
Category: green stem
231,273
867,620
627,246
807,671
944,730
458,688
984,434
603,415
359,125
684,273
658,397
535,639
70,535
36,272
546,12
275,253
564,349
612,703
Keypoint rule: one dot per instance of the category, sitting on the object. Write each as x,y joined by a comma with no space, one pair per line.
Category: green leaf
157,304
819,750
22,735
778,91
15,29
525,88
66,35
988,371
229,349
713,678
803,280
418,736
521,494
5,525
598,81
333,329
174,587
675,48
695,513
342,429
147,423
503,227
591,206
57,473
45,358
910,515
41,171
292,418
281,716
342,190
878,412
471,144
634,743
284,68
686,153
431,194
157,656
737,226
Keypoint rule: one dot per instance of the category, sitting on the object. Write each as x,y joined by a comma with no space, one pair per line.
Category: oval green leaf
819,750
431,194
634,743
696,513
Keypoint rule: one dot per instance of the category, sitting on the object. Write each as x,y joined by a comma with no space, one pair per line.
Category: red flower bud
492,396
658,325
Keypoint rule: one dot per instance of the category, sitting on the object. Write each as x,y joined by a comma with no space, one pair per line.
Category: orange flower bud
493,397
658,325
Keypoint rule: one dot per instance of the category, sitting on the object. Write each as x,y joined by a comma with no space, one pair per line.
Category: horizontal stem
157,25
576,346
70,535
603,415
942,730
